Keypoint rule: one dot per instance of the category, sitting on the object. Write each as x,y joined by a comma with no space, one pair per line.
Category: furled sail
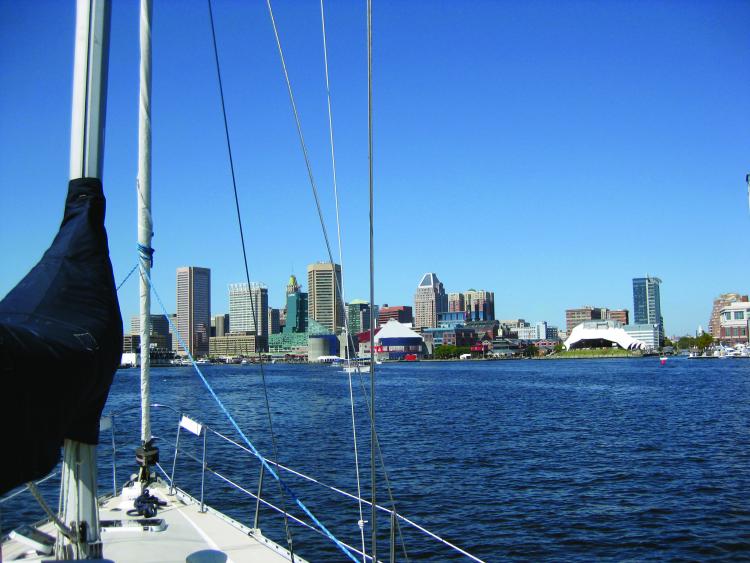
60,342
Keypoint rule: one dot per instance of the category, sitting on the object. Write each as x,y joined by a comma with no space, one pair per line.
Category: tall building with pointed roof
429,300
296,308
292,286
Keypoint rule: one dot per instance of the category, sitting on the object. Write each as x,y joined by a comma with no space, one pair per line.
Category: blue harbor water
559,460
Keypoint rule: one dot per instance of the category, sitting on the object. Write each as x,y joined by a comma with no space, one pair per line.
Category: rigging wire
245,439
325,231
373,435
247,273
130,273
349,340
303,145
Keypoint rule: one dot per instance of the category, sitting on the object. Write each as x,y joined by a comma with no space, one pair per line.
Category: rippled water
531,460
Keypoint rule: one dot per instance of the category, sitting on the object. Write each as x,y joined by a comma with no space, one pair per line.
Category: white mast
145,225
89,89
78,506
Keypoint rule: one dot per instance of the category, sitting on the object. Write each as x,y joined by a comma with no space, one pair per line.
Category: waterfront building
274,321
296,313
292,286
538,331
400,313
459,336
723,300
434,336
324,300
194,309
480,305
552,333
294,343
647,303
396,341
161,344
647,333
509,327
484,329
546,346
248,308
131,343
622,316
505,347
734,323
604,333
220,324
322,346
358,316
513,323
456,302
236,344
453,336
530,332
159,325
173,332
574,317
451,319
429,300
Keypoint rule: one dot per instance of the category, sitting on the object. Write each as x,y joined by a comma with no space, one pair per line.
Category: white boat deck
188,535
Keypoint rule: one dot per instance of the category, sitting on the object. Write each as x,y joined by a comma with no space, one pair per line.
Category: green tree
530,351
704,341
686,342
445,352
559,347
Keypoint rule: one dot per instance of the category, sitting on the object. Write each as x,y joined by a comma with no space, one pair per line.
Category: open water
558,460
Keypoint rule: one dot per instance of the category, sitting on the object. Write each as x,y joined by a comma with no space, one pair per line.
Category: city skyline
570,316
450,312
574,125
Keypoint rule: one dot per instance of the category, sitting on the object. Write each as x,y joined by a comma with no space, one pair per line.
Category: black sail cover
60,342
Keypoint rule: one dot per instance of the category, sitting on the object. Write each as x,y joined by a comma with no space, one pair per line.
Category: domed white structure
595,332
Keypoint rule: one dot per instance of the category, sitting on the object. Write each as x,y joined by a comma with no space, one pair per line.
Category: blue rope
255,452
146,253
127,277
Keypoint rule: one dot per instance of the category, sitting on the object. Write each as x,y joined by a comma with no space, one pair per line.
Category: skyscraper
401,313
480,305
456,302
324,302
429,300
194,309
647,303
574,317
296,308
274,321
292,286
248,308
358,315
220,325
159,325
619,315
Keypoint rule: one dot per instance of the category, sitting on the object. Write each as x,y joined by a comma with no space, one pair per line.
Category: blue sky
548,151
